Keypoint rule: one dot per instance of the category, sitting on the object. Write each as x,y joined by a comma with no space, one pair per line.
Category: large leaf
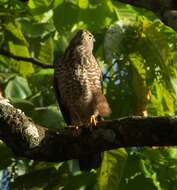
162,99
112,169
41,85
35,30
17,88
44,51
13,31
17,45
160,167
48,116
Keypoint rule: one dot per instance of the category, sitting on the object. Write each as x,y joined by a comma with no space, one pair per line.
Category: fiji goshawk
77,81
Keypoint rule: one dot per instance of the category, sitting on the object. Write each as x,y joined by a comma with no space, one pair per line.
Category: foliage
139,60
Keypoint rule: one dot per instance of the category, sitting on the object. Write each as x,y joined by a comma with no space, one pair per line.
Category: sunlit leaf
112,169
16,33
45,52
83,4
24,68
38,7
35,30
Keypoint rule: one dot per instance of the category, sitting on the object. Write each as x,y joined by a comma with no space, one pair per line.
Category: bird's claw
93,121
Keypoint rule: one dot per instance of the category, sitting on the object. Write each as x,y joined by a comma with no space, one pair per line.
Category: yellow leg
93,120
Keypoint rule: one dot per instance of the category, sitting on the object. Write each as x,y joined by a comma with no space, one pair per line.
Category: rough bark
32,141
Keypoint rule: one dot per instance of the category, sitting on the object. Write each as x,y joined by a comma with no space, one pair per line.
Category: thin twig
27,59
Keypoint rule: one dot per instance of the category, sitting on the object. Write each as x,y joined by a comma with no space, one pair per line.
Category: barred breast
75,90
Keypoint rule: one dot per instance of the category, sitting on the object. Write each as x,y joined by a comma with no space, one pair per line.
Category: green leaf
44,51
35,30
139,182
134,176
56,3
41,85
80,180
17,88
48,116
24,68
141,40
83,4
174,84
38,7
62,22
1,38
14,30
45,72
18,49
25,105
38,179
150,173
5,156
160,166
162,99
140,52
112,169
84,17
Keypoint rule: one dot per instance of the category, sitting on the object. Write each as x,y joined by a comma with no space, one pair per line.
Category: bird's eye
90,36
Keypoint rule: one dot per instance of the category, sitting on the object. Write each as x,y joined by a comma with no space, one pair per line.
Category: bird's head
84,37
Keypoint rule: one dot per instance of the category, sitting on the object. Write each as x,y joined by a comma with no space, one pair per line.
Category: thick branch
27,59
165,10
35,142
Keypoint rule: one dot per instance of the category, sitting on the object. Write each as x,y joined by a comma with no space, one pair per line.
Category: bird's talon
93,121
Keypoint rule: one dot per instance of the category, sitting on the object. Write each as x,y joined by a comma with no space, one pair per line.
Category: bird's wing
61,103
99,72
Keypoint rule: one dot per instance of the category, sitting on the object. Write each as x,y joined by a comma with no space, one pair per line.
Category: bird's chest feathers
77,83
81,83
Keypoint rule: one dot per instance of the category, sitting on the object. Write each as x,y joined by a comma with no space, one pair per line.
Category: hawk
77,81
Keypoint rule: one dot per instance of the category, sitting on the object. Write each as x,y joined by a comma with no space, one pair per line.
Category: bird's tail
102,104
90,162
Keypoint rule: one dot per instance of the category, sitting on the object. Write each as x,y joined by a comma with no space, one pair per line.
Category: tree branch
165,10
27,59
35,142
